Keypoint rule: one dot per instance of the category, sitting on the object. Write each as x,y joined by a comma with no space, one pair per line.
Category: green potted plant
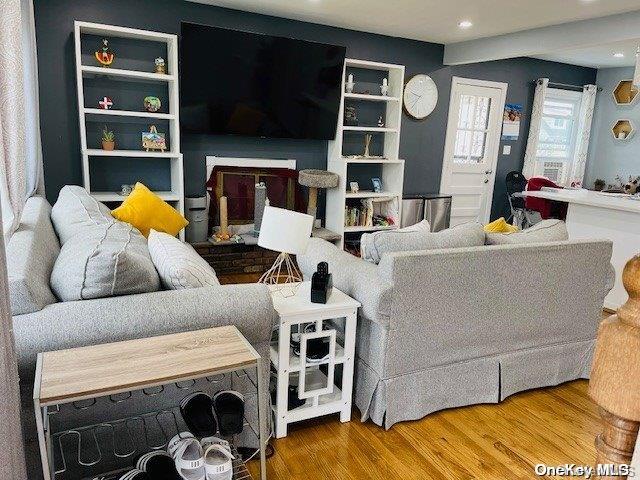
108,139
598,185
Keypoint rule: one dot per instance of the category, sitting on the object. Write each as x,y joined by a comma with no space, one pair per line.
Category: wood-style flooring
554,426
504,441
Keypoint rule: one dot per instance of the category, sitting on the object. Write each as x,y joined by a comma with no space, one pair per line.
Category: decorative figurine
106,103
152,140
380,121
350,84
350,116
152,104
367,142
321,284
160,65
355,187
108,139
105,55
384,88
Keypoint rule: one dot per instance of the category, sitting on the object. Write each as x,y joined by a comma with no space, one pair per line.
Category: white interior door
471,148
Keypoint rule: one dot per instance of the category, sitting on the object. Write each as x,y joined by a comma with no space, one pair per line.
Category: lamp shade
285,230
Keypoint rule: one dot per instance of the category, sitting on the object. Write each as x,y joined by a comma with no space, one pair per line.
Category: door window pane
471,134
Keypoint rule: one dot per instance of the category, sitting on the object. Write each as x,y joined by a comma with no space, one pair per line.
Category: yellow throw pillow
145,210
500,226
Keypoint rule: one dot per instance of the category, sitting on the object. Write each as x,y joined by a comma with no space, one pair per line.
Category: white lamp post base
284,275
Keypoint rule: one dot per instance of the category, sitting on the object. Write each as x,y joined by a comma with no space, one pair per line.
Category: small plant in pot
108,139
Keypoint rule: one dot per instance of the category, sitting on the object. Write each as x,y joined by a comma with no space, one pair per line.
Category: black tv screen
241,83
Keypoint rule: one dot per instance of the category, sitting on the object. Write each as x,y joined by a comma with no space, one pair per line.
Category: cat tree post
315,179
615,375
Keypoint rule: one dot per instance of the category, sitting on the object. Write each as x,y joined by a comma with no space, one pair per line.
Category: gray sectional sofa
42,323
458,326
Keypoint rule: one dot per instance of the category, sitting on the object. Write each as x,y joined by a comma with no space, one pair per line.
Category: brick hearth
235,259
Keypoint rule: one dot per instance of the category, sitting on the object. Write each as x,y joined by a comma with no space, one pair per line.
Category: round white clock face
420,96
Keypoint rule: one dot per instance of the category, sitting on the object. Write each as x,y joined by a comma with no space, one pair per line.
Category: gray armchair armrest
89,322
354,276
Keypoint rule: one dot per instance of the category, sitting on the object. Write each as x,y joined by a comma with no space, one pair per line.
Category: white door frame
451,130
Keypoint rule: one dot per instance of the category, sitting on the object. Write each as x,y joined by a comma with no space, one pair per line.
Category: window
471,132
557,137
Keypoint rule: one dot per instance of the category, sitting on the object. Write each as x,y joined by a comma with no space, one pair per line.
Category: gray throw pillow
178,264
550,230
75,210
465,235
104,261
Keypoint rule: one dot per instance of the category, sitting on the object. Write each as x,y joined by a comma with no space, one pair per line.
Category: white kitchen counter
600,215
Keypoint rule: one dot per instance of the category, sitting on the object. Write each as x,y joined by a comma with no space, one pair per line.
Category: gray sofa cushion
31,253
103,261
550,230
75,210
178,264
465,235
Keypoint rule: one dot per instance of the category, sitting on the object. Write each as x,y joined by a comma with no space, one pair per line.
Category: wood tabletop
88,372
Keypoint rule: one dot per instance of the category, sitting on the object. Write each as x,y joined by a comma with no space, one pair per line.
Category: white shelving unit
176,195
392,174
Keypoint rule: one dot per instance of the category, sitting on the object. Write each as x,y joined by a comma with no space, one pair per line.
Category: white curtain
20,150
587,104
534,127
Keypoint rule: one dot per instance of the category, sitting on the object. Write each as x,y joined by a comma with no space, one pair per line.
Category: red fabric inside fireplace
239,188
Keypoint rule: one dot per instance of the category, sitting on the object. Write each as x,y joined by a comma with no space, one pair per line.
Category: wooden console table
115,370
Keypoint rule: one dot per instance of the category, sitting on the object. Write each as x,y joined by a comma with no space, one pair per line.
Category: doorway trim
451,129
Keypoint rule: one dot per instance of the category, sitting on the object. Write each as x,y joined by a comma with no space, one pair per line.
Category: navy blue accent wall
422,142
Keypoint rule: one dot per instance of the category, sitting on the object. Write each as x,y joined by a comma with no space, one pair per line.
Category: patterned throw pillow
178,264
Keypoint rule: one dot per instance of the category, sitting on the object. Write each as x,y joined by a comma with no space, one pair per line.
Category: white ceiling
599,56
434,20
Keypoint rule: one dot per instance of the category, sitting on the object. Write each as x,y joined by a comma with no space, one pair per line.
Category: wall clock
420,96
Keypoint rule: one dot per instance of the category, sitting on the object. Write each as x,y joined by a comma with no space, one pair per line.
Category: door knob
486,180
488,172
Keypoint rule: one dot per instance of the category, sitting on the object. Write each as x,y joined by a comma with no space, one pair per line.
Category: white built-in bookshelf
344,160
87,69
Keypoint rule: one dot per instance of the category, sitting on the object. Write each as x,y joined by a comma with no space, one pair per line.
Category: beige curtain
12,464
20,152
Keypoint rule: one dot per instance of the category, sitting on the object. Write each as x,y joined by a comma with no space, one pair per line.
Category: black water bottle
321,284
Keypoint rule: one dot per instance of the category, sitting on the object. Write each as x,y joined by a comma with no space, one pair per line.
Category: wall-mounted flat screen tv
241,83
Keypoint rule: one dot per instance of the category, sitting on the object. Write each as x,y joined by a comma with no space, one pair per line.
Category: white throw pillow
178,264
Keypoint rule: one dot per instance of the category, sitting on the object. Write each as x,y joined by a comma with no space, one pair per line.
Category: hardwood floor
553,426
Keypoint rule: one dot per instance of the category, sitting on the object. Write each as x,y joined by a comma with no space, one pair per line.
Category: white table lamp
287,232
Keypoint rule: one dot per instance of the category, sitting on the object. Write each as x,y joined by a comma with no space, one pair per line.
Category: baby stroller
521,217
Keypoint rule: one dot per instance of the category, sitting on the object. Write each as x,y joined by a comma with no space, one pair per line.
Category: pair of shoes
205,416
158,465
209,459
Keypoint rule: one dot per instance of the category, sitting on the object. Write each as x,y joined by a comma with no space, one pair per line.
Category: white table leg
347,370
282,397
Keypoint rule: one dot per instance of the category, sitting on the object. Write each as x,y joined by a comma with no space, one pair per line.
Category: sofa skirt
483,380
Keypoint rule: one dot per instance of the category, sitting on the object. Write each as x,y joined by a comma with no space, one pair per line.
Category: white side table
318,383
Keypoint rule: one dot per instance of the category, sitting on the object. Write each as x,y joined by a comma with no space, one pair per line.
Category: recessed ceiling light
465,24
618,54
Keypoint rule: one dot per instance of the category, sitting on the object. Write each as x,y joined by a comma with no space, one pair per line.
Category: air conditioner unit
554,171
